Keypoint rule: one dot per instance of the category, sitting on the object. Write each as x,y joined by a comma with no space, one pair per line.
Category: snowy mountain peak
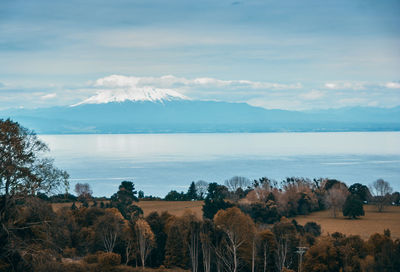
133,94
117,88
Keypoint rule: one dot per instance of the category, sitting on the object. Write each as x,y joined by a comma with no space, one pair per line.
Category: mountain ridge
195,116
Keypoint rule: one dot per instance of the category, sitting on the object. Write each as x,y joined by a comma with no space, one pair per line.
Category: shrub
313,228
91,258
109,259
69,252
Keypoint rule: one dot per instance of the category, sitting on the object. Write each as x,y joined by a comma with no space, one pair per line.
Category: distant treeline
265,200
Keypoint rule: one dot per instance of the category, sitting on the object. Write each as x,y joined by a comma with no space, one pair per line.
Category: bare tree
145,237
194,237
83,191
253,252
336,197
205,232
381,191
282,251
236,182
201,187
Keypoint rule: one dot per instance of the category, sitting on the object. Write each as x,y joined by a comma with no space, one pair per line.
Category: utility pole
301,251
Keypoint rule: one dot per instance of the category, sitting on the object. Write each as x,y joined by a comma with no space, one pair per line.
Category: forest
246,225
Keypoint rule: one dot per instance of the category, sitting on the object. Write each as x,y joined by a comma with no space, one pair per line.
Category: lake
158,163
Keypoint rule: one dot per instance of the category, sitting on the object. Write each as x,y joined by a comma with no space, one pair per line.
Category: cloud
120,88
170,81
392,85
49,96
344,85
277,95
312,95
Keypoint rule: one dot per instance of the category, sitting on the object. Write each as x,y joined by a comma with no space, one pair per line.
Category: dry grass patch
372,222
176,208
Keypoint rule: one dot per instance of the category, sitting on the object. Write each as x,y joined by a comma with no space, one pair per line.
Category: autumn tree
23,168
286,243
268,249
206,231
109,227
239,229
129,238
352,250
385,251
297,197
145,239
322,257
336,197
381,191
190,229
24,172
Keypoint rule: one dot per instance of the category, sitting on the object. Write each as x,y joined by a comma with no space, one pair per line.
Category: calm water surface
158,163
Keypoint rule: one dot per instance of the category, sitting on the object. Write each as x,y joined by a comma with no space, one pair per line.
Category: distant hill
191,116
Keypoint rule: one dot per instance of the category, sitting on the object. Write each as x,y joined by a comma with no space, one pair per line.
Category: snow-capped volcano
117,88
137,94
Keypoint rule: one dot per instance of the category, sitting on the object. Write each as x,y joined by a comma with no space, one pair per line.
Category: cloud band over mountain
270,95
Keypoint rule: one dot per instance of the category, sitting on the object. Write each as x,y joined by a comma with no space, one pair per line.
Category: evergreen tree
192,192
141,194
215,200
123,201
175,251
73,207
360,190
353,207
157,225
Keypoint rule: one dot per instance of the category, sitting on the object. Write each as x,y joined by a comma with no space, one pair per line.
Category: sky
296,55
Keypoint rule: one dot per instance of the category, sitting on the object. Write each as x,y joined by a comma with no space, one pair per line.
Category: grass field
176,208
371,223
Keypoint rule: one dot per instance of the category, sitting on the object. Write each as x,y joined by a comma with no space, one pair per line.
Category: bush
69,252
90,258
109,259
313,228
62,267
